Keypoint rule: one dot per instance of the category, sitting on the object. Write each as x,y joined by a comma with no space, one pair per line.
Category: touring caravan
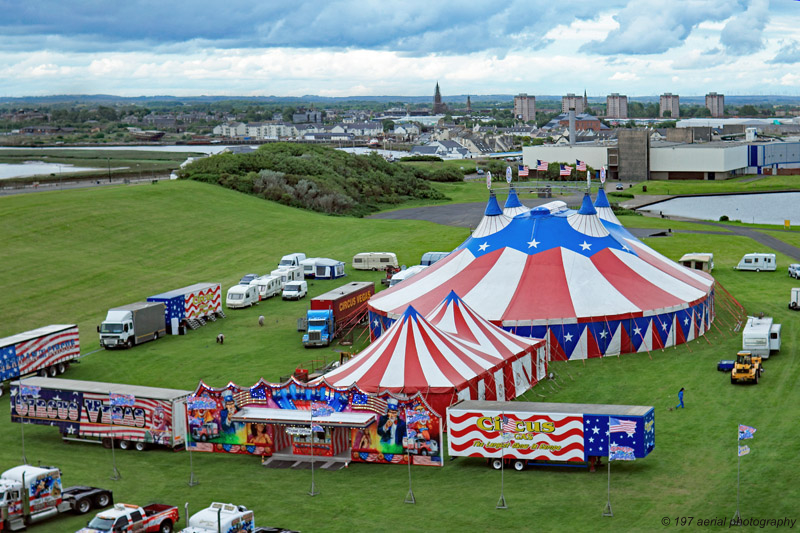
405,274
288,273
757,262
698,261
761,336
241,296
374,261
309,266
267,286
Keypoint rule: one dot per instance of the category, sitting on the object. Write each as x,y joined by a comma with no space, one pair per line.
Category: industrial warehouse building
635,157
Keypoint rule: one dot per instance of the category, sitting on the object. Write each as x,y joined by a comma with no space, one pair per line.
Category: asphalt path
469,216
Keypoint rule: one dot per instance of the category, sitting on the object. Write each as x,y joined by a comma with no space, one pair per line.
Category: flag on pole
616,425
541,165
602,174
580,165
509,426
744,450
620,453
522,171
746,432
566,170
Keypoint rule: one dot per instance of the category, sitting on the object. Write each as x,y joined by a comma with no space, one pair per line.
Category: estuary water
757,208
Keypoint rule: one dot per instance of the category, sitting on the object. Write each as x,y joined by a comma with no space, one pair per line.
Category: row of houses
312,131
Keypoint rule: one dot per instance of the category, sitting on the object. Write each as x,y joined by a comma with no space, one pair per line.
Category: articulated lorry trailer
190,306
133,324
46,351
520,434
335,311
131,415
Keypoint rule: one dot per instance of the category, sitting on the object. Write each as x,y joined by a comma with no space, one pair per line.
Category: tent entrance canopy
268,415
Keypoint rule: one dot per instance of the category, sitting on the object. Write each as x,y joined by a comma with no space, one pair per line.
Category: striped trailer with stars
190,305
46,351
577,279
519,434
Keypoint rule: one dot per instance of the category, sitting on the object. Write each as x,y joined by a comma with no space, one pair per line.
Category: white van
267,286
405,274
760,336
309,266
757,262
288,273
291,259
294,290
241,296
374,260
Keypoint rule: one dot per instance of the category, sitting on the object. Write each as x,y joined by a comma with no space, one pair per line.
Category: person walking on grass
680,399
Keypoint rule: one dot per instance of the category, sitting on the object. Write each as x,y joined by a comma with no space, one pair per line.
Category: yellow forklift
747,368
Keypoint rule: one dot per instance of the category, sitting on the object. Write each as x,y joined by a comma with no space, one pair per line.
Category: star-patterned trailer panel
548,431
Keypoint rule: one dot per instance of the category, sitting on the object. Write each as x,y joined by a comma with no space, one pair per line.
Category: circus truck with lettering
46,351
190,306
521,434
336,312
127,416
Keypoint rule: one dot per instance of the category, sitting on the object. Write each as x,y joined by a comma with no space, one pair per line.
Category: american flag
509,426
541,165
581,165
566,170
746,432
522,170
369,403
616,425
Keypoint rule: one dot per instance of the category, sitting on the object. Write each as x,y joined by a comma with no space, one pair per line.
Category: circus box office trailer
133,416
47,351
190,305
519,434
275,421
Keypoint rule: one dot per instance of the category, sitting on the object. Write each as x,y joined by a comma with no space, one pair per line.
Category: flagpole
737,517
313,491
501,503
607,511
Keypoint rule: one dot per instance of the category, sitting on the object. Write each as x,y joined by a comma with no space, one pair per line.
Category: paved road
76,184
469,215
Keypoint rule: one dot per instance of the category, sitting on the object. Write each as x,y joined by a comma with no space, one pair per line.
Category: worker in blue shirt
680,399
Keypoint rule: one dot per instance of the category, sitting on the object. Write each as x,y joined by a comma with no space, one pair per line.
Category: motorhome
241,296
288,273
698,261
374,261
761,336
757,262
292,259
267,286
405,274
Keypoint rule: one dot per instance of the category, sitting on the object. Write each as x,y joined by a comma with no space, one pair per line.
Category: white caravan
757,262
267,286
292,259
374,260
241,296
760,336
288,273
405,274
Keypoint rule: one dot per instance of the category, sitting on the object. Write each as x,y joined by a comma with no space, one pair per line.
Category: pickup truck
124,517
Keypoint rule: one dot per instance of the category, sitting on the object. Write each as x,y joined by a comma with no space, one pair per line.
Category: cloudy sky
387,47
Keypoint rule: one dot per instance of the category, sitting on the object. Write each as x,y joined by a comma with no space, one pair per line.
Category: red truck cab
124,518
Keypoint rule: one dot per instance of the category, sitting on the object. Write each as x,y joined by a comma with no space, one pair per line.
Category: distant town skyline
370,48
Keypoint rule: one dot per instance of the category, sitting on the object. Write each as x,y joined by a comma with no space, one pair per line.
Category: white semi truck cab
221,517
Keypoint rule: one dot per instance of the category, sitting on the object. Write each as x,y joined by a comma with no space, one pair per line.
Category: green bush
724,218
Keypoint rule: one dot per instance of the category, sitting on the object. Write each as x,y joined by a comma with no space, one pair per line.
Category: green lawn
69,256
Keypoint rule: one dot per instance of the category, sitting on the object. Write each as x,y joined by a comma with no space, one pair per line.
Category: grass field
69,256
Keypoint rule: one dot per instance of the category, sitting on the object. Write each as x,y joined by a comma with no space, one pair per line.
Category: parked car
794,270
619,187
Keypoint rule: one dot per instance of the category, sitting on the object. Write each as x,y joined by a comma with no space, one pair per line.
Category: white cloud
624,76
742,34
